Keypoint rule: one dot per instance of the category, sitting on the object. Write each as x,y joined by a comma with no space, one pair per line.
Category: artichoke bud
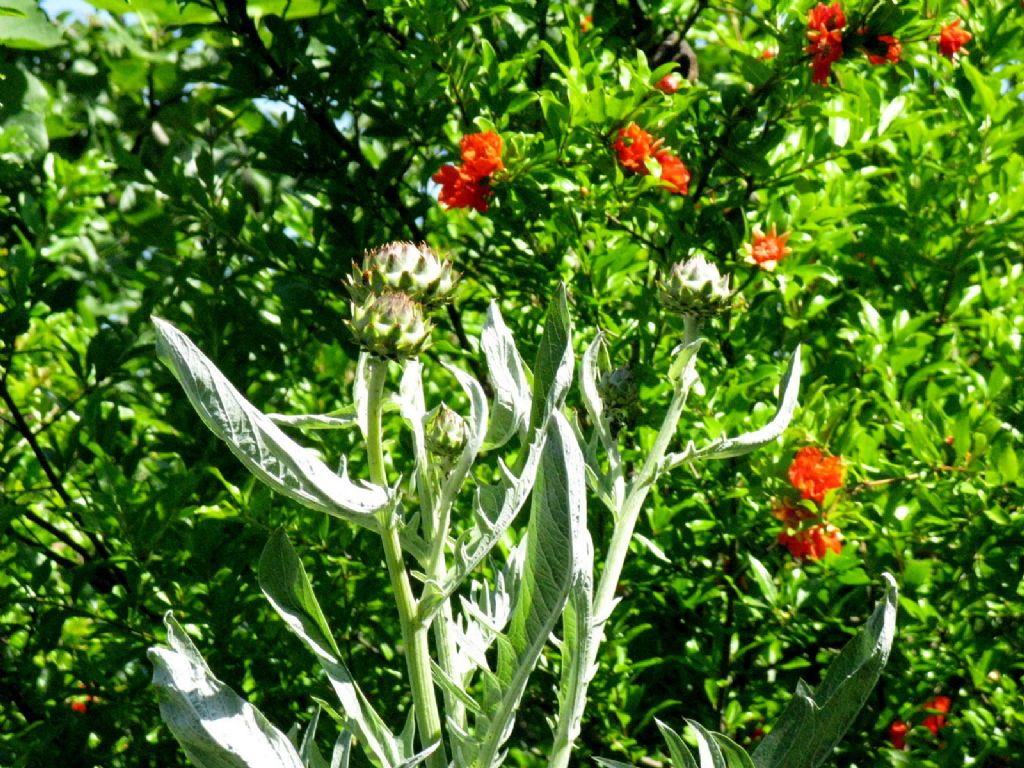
620,397
390,325
446,433
694,287
415,270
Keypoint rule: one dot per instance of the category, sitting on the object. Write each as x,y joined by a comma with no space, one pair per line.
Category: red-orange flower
766,251
460,189
884,48
939,708
898,734
812,543
825,18
825,31
674,173
769,53
815,475
634,146
481,154
468,185
669,83
586,24
952,40
79,706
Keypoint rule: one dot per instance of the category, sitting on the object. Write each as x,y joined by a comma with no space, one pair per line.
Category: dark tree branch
25,431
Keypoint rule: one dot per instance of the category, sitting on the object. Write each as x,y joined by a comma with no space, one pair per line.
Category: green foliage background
222,164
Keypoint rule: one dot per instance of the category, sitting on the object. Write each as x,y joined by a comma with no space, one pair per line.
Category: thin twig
25,431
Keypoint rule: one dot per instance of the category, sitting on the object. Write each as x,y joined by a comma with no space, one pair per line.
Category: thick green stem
622,535
444,640
625,523
414,635
417,651
376,376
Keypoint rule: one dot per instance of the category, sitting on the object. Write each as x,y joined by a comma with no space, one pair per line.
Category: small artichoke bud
620,396
415,270
694,287
390,325
446,433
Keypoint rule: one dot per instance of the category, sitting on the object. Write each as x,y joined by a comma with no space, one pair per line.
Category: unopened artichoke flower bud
390,325
446,433
415,270
620,396
694,287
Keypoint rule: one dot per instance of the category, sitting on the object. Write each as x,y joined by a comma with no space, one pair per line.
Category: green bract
446,432
694,287
619,391
390,325
415,270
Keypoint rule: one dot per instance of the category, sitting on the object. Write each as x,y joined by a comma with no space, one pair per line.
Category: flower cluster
635,148
767,250
808,542
952,40
883,49
814,475
826,26
469,185
937,709
898,733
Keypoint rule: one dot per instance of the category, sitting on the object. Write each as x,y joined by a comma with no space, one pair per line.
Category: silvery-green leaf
419,757
590,367
408,735
553,367
708,751
342,750
815,721
477,424
215,726
308,750
453,689
269,453
413,408
496,506
557,526
726,447
677,749
283,580
735,755
313,420
682,371
485,613
578,639
508,379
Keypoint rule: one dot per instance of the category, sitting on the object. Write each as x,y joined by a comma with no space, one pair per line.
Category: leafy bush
222,166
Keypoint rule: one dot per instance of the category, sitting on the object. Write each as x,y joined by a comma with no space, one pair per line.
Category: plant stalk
622,535
625,523
414,635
